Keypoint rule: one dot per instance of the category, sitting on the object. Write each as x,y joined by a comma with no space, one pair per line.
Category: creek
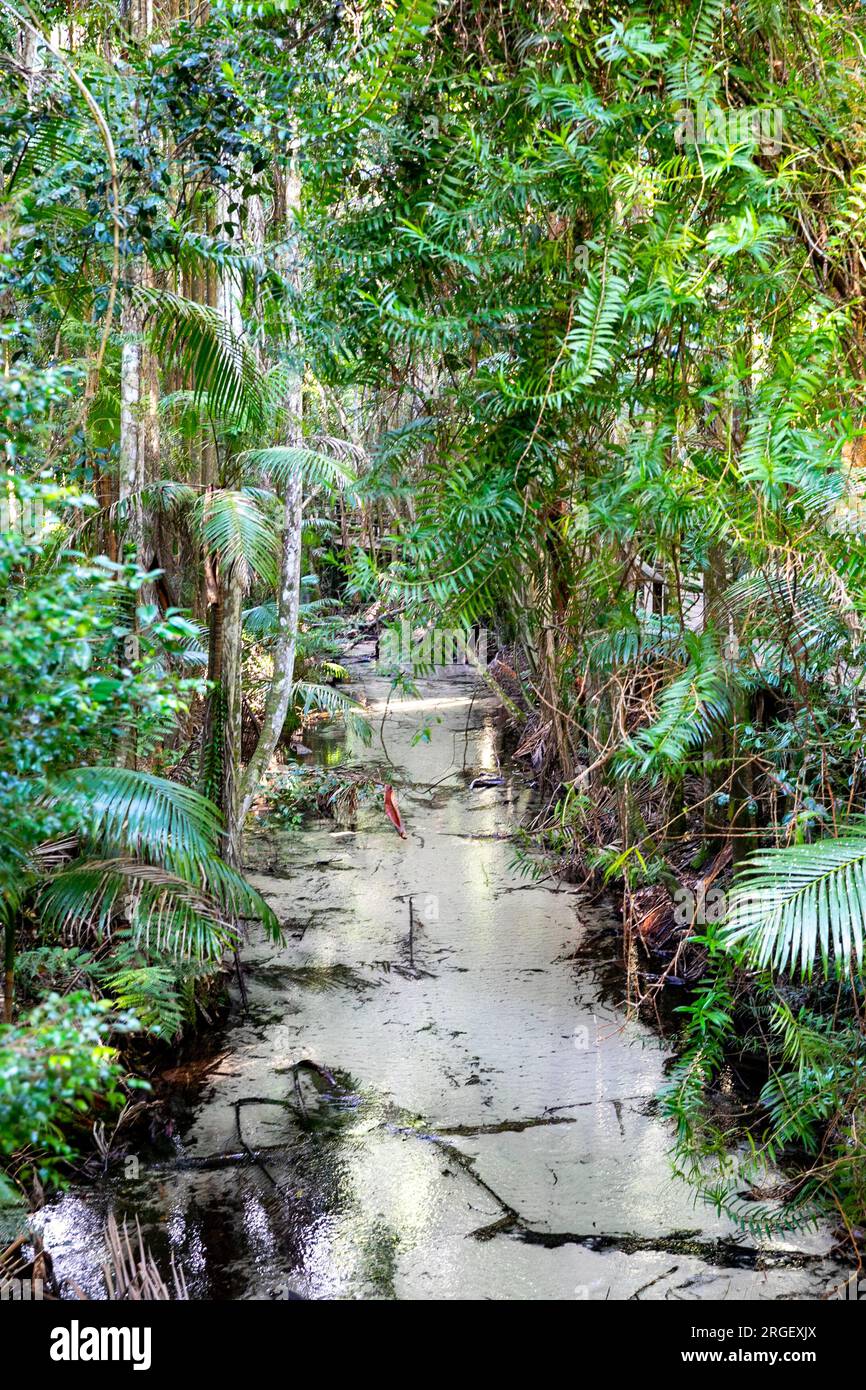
451,1103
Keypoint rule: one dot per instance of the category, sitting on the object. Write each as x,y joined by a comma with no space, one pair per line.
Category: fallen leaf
392,812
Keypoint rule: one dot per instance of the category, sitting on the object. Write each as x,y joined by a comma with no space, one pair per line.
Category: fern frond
688,710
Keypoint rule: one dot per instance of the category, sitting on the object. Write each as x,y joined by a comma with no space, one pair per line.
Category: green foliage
300,792
239,530
315,467
566,348
54,1067
307,696
150,993
636,391
688,709
793,908
92,840
807,1115
203,347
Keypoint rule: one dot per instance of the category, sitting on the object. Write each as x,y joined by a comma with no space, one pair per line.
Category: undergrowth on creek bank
767,1093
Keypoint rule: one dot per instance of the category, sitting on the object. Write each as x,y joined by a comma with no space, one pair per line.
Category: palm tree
140,851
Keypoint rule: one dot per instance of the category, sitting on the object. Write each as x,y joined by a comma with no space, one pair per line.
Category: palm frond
262,620
282,462
162,910
205,349
237,528
793,907
140,812
309,696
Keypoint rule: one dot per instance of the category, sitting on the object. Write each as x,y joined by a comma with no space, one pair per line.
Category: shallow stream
458,1111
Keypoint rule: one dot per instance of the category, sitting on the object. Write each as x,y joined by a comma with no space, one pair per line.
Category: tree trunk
137,367
232,601
280,693
279,696
8,972
132,432
138,419
715,820
210,772
228,590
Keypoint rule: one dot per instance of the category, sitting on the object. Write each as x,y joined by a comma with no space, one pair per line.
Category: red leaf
392,812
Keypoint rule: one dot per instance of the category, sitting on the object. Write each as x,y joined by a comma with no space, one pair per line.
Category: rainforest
432,640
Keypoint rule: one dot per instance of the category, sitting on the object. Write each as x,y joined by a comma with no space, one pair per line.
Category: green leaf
793,907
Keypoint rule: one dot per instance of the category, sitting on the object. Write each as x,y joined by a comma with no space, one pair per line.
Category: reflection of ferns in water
132,1273
338,796
317,977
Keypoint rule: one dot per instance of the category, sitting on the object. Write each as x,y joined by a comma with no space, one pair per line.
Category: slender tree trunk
8,972
279,696
226,597
715,821
210,767
550,674
280,693
138,430
232,599
132,432
132,473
